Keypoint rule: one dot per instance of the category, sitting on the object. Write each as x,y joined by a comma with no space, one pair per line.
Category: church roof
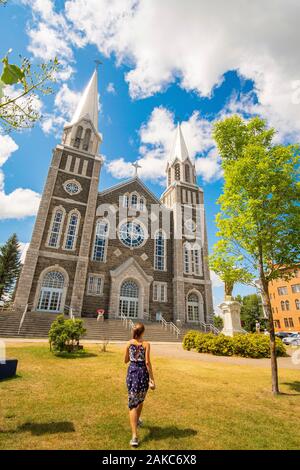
127,182
88,103
179,150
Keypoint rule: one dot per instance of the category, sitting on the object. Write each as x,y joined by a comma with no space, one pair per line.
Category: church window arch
177,171
194,307
56,225
187,173
100,240
134,201
72,230
78,136
86,139
142,203
297,303
160,251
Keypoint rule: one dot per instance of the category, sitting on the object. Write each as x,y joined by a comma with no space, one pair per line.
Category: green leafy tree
251,312
10,265
260,211
218,322
19,88
228,267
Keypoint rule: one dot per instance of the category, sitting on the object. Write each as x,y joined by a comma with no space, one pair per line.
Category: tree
10,265
251,311
218,322
260,211
19,86
228,267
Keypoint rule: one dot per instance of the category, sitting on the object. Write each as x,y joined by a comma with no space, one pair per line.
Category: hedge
253,345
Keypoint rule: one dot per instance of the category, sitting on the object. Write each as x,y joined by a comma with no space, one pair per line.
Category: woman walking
139,378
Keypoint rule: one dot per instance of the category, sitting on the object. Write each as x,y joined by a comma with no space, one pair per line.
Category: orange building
285,302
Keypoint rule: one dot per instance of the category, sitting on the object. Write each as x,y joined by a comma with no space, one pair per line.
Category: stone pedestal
231,310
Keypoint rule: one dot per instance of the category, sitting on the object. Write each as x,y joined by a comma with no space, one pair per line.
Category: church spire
88,103
179,150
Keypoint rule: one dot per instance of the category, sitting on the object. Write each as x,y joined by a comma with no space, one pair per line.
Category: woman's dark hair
138,330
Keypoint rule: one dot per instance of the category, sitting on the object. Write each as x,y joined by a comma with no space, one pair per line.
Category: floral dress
137,376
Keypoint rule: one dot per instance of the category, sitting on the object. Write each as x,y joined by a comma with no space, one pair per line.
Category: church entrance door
51,292
129,299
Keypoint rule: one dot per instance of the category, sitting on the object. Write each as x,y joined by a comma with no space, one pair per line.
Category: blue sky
144,90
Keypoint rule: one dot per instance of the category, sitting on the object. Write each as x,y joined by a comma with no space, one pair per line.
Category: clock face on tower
131,234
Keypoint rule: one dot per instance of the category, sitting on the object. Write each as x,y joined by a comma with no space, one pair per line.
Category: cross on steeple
136,166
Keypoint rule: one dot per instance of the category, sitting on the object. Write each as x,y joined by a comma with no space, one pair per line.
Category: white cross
136,166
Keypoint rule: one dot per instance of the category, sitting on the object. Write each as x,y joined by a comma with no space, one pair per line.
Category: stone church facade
121,250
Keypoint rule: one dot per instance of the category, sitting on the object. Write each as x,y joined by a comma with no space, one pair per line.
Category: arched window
287,305
86,139
160,251
142,204
169,176
134,201
187,173
100,243
196,259
177,171
56,227
125,200
129,299
282,303
297,302
186,258
51,292
78,137
194,307
72,229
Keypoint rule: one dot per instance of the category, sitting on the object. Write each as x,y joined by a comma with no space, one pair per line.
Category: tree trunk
274,366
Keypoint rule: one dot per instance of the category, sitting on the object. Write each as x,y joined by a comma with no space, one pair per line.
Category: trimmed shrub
252,345
64,334
189,340
203,342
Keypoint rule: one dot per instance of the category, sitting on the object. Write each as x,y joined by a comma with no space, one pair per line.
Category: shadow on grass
157,433
14,377
293,385
74,355
39,429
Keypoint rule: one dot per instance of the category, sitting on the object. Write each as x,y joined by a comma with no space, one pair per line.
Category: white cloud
197,42
111,88
157,136
65,103
20,202
215,280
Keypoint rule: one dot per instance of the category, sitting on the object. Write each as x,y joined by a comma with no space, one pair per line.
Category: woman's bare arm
148,362
126,359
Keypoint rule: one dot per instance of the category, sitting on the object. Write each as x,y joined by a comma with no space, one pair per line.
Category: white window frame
73,181
157,291
72,212
55,209
95,276
103,260
164,256
192,259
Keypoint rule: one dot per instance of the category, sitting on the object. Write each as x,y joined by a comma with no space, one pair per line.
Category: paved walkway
176,350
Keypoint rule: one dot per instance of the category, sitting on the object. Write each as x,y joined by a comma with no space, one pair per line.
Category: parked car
283,334
290,340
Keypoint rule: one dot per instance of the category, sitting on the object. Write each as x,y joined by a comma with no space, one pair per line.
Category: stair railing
168,324
127,321
23,316
70,312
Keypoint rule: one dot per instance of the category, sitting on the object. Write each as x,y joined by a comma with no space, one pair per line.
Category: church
122,250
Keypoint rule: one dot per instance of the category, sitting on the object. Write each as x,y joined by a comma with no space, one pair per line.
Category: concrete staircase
37,325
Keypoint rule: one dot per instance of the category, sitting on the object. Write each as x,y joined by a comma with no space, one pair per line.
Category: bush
253,345
64,334
189,340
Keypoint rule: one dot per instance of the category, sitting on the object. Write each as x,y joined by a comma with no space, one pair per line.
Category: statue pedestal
231,310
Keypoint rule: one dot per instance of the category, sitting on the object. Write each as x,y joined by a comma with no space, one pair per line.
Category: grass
81,403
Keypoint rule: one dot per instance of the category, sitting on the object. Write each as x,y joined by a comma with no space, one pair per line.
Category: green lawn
81,403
